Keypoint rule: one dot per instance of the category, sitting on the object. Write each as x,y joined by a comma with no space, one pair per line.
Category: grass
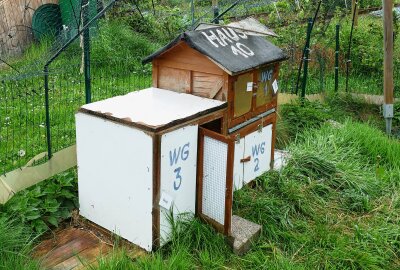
15,245
335,206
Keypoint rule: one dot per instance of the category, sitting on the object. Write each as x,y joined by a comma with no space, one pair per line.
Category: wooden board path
77,248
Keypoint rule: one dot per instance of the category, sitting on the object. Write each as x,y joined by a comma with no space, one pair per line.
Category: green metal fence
22,108
23,127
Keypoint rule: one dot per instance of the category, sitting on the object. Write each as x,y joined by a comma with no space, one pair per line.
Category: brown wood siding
183,69
207,85
174,79
183,57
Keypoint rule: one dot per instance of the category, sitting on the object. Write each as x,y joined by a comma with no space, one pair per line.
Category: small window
265,91
243,94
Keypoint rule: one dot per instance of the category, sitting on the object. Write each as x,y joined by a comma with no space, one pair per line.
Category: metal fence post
47,107
192,11
86,51
304,50
306,58
349,48
337,59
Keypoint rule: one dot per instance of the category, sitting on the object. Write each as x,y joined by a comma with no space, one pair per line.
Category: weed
45,204
15,245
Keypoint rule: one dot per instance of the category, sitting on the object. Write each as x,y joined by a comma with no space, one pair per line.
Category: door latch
247,159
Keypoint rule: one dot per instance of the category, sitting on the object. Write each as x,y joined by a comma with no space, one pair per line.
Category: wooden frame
230,141
254,111
226,227
156,190
220,114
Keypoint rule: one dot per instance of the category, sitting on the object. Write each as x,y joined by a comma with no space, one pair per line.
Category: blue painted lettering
255,150
262,148
266,75
177,177
173,158
185,152
256,161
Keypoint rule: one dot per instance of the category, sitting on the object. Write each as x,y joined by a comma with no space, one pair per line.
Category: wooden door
258,147
215,180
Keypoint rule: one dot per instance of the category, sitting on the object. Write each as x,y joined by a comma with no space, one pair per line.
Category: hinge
237,138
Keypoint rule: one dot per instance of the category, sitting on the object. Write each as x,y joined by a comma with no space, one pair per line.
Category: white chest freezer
137,161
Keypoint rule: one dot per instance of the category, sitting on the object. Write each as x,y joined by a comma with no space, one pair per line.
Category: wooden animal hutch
242,69
206,127
137,158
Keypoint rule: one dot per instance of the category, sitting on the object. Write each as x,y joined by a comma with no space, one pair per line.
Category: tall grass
15,246
331,207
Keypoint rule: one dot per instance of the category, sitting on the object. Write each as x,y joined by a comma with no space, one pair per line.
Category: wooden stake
388,63
354,5
216,10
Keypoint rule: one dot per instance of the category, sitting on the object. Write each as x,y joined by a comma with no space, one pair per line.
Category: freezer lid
153,109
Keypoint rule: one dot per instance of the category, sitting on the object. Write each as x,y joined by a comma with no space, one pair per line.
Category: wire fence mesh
22,109
115,60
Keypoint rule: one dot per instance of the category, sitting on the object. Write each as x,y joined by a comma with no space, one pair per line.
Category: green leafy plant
46,204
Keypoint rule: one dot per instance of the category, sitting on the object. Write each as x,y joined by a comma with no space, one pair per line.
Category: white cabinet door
238,165
177,176
258,148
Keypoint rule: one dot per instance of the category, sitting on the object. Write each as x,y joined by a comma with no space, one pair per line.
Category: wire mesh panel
214,175
215,180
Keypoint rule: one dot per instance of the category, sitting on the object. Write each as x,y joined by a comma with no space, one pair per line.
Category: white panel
153,106
238,167
178,175
115,178
214,179
258,147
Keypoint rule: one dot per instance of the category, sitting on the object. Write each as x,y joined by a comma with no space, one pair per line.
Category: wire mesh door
215,180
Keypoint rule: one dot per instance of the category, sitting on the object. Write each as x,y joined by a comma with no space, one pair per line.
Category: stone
244,233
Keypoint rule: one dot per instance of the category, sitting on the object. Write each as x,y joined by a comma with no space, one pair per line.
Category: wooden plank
199,182
207,85
273,142
67,251
183,57
388,51
155,74
78,248
191,83
156,190
60,238
172,63
84,258
174,79
354,5
229,188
